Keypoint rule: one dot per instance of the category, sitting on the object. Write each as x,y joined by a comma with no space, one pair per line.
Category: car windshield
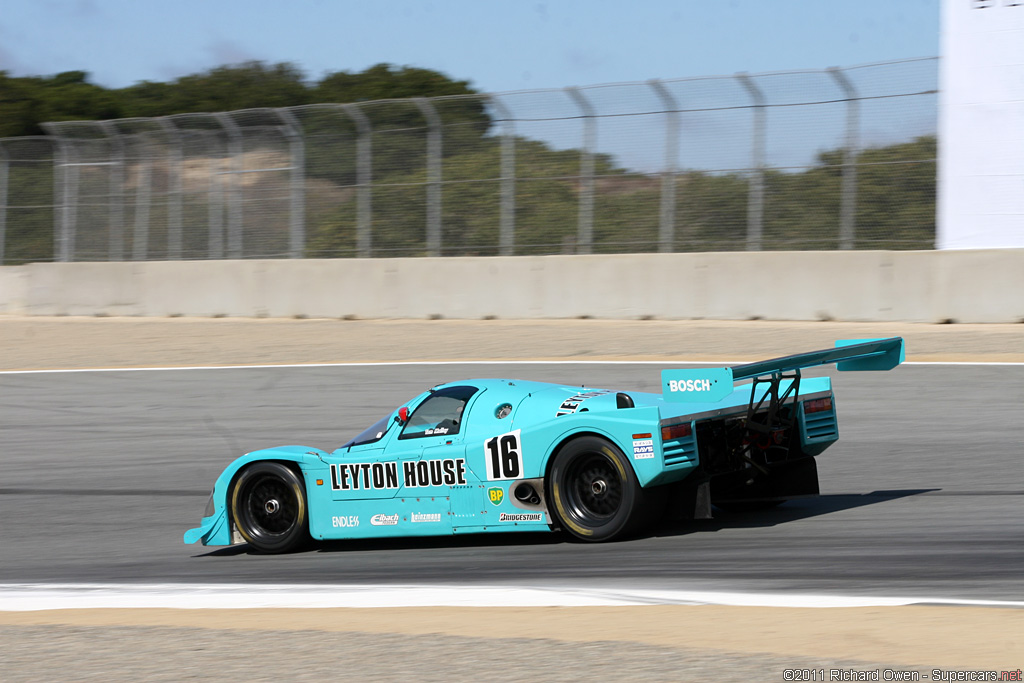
374,432
440,414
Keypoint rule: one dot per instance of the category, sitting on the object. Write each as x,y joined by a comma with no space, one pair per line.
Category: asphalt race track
102,472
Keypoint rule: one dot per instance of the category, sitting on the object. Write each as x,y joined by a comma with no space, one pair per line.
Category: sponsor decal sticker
370,476
689,385
521,517
504,456
347,522
572,404
703,385
447,472
643,448
495,494
384,520
425,517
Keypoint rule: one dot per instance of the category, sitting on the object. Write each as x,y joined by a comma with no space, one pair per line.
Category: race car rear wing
849,354
709,385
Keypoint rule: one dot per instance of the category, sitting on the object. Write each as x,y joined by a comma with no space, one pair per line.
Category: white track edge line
453,362
38,597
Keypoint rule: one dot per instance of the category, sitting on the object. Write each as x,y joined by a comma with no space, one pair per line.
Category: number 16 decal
504,457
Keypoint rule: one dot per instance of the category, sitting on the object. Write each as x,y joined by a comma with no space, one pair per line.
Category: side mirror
403,415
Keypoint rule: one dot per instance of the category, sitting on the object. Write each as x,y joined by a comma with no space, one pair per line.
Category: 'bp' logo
495,495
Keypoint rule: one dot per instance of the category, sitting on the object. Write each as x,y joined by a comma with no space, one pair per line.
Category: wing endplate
889,356
849,354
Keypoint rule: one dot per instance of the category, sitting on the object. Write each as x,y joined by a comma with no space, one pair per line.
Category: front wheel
268,504
594,490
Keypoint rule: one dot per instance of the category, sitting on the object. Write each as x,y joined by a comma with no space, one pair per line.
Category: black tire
594,492
268,504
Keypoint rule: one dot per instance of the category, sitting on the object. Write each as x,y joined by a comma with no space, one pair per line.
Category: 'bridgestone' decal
521,517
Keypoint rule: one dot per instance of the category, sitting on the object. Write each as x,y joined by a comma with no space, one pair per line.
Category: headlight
208,512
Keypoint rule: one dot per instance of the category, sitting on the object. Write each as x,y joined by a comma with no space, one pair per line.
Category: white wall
981,125
923,286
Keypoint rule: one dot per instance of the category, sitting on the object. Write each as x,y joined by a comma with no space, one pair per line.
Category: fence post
69,238
143,198
63,193
848,197
585,231
215,203
4,166
174,156
755,207
364,180
667,230
433,175
115,251
507,212
297,214
234,193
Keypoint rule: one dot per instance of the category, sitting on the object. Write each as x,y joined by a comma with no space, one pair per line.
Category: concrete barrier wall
932,286
13,289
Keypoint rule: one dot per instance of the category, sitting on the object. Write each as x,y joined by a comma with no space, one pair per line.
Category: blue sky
507,45
498,45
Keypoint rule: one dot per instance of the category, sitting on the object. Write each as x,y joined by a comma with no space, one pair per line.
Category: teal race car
497,455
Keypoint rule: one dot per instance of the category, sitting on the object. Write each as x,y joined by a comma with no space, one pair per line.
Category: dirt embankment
59,343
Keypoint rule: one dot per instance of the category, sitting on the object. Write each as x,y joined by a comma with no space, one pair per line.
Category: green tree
399,128
384,81
226,88
546,205
27,102
29,229
896,190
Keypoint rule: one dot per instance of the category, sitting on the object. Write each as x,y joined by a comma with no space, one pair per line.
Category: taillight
676,431
817,406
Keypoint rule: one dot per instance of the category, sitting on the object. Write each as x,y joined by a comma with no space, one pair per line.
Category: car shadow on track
480,540
790,511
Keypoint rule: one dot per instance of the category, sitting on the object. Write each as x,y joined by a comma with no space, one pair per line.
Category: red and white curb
34,597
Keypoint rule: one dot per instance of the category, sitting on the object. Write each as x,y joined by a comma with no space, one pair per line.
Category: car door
430,448
422,457
366,471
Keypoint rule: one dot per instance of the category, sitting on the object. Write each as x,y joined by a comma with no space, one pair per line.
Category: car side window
441,414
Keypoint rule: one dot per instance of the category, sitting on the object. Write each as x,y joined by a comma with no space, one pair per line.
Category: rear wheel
268,504
594,491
